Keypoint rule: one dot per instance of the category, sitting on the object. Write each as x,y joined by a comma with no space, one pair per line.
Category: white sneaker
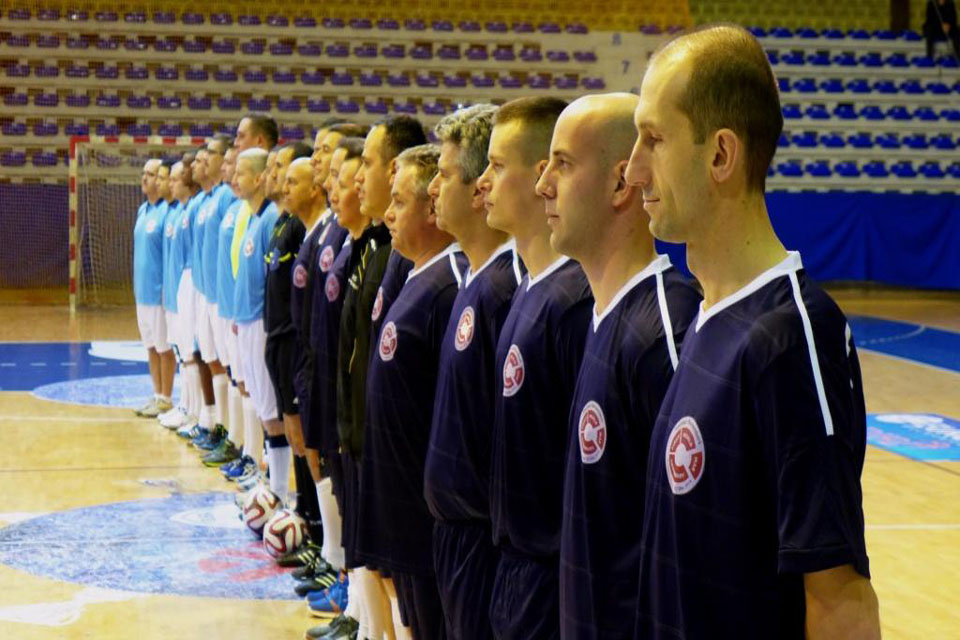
177,419
166,415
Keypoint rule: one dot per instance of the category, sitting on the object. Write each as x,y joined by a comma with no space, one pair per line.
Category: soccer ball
258,507
285,532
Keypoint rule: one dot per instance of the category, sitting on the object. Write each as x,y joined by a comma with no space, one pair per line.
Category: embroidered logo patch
248,247
377,305
326,259
299,277
685,456
332,287
388,342
151,226
593,433
513,372
465,325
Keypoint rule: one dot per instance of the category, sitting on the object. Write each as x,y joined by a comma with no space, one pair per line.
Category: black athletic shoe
347,630
225,452
317,583
324,629
318,567
301,557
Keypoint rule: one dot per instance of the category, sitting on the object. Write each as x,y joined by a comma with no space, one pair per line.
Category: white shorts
186,332
252,340
233,352
221,329
153,327
205,338
173,323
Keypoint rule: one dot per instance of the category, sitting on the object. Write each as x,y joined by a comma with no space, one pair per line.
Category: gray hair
469,128
257,158
423,158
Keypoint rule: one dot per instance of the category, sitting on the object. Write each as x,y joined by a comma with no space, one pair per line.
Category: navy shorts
465,560
420,607
348,508
281,359
525,603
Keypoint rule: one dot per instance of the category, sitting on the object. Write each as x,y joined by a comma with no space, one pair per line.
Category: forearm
841,604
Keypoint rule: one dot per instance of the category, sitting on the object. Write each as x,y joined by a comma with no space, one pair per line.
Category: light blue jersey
196,251
221,200
148,255
252,272
226,283
171,278
181,246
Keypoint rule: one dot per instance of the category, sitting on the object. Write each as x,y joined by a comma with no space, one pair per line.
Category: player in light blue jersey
148,242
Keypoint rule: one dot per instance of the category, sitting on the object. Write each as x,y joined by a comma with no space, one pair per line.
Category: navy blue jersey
457,476
628,361
753,477
285,240
395,527
394,278
538,357
301,293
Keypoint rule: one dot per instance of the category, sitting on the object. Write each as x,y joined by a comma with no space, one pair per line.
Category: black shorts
348,509
465,560
525,601
331,466
419,604
281,358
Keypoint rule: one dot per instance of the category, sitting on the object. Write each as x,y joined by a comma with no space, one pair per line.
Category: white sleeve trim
667,325
814,360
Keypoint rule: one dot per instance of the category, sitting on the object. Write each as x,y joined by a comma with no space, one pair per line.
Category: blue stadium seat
954,170
291,133
421,52
833,85
832,140
884,34
107,129
793,58
284,77
922,62
142,73
548,27
819,59
888,141
948,62
791,111
138,102
13,159
791,169
252,48
899,112
281,49
46,100
454,81
845,59
758,32
885,86
434,108
45,129
805,139
76,129
804,85
833,34
943,141
872,59
376,107
135,17
365,51
341,78
807,32
938,88
444,26
784,140
819,168
555,55
396,51
847,169
784,84
876,169
931,169
254,76
925,113
872,112
530,54
496,27
860,140
916,141
371,79
399,79
858,85
504,54
171,102
910,35
817,112
781,32
18,71
903,169
405,107
449,52
912,87
427,81
898,60
953,115
773,57
338,50
538,82
510,82
565,82
858,34
201,130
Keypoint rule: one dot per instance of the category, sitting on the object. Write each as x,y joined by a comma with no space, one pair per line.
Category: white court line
68,364
19,418
98,364
915,527
8,364
38,364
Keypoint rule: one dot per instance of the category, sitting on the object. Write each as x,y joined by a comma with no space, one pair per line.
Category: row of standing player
508,467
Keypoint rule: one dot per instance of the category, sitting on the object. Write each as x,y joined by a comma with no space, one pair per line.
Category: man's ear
727,154
623,193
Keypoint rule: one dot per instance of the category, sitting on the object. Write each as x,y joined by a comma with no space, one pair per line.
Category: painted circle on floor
190,545
130,392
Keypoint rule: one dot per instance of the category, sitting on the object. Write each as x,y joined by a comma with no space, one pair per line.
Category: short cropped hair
731,86
300,149
400,132
350,129
264,125
223,142
168,163
469,128
423,158
353,145
257,158
538,115
332,122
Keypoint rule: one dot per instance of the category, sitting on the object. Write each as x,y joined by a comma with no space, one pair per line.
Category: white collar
509,245
452,247
562,260
788,265
658,265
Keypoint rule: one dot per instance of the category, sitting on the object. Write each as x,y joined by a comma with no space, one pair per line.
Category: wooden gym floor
56,457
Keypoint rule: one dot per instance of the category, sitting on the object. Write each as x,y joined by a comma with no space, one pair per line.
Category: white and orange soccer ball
259,506
284,532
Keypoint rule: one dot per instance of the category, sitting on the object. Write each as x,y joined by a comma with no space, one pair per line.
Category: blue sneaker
228,468
214,439
329,603
246,467
203,434
323,595
189,432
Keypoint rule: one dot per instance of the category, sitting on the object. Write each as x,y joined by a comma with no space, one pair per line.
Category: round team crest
513,372
388,342
593,433
465,327
228,219
326,258
377,305
248,247
332,288
685,456
151,225
299,277
168,230
185,222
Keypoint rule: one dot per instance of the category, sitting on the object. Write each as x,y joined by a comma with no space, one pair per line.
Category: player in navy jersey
754,522
457,478
642,309
538,355
148,244
395,525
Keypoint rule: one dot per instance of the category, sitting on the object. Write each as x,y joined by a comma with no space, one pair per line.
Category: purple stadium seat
378,107
529,54
548,27
504,54
310,49
284,77
650,29
46,41
482,81
18,71
365,51
78,100
223,46
305,22
347,106
254,76
558,56
18,40
593,84
332,23
18,14
338,50
341,78
135,44
201,130
371,79
48,15
470,26
414,25
139,130
360,23
510,82
538,82
107,129
164,17
199,103
169,130
166,73
14,129
45,129
77,43
138,102
288,105
78,71
427,81
399,79
454,82
281,49
253,48
584,56
522,27
318,105
477,52
135,17
106,16
565,82
421,52
221,19
196,75
291,133
225,75
577,28
442,25
44,159
229,103
13,159
434,108
46,100
275,20
107,73
449,52
496,27
192,18
258,104
169,102
166,46
393,51
76,129
388,24
75,15
404,107
194,46
312,78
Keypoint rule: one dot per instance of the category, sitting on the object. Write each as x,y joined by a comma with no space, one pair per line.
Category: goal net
104,195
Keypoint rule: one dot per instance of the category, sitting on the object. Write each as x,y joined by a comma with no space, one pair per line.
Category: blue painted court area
926,345
24,366
190,545
920,436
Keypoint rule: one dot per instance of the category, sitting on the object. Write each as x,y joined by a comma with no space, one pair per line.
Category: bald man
642,308
753,525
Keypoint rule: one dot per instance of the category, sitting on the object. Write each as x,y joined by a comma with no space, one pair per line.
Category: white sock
220,398
278,461
186,389
332,523
197,392
252,431
355,603
235,412
207,416
163,398
373,600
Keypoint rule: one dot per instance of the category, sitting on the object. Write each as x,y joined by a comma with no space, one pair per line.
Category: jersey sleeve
814,473
571,339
